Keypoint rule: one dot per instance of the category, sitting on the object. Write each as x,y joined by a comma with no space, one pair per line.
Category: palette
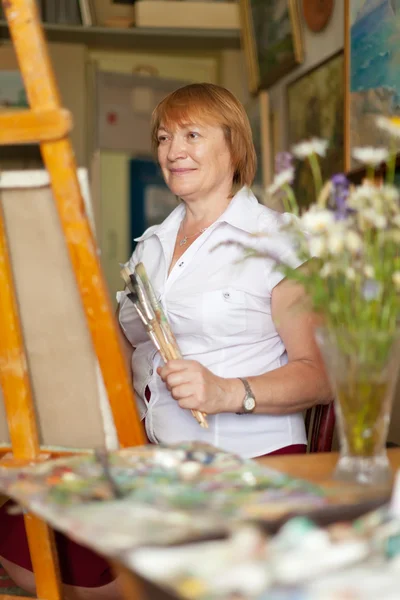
357,561
157,495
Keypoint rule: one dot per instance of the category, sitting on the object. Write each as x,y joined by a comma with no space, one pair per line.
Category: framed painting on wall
258,112
271,36
372,59
316,109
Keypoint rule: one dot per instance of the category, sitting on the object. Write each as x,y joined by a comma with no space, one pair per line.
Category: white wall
317,48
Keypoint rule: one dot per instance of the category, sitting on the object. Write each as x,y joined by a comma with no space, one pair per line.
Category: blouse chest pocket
224,312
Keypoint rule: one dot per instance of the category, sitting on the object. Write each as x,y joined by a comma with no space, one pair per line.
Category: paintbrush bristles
126,276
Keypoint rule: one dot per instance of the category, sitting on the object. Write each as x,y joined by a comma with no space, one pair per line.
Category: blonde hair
213,104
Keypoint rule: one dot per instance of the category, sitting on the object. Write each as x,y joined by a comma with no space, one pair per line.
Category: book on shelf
189,14
86,11
67,12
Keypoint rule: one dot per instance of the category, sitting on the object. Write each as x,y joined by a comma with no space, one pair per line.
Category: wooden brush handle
169,348
171,352
200,417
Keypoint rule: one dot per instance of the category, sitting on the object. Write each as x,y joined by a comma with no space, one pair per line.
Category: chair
320,425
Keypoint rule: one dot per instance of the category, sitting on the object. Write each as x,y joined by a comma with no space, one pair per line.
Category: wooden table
317,468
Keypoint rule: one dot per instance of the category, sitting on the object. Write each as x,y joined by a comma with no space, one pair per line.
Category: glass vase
362,367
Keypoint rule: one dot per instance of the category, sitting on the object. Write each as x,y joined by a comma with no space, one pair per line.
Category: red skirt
79,566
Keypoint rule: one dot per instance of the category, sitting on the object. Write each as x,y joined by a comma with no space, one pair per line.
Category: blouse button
226,295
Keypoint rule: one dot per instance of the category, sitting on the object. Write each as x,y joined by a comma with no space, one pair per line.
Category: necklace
184,240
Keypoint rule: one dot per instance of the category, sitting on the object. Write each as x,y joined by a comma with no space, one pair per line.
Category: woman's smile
181,171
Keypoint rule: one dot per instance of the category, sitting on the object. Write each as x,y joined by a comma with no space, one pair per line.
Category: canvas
316,107
70,399
272,40
373,69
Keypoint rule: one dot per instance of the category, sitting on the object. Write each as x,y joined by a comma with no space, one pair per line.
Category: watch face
249,404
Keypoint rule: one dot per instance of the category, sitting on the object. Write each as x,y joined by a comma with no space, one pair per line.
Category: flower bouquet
350,238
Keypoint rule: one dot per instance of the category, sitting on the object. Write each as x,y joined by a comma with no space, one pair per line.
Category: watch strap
249,394
249,391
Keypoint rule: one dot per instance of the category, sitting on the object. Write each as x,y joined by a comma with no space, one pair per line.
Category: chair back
320,425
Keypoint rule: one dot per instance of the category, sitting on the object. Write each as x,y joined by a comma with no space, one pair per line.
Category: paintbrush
151,313
102,457
144,314
171,347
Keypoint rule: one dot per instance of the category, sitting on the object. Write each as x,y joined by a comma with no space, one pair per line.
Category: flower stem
291,199
391,163
371,173
316,172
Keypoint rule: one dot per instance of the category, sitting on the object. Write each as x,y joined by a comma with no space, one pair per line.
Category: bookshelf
139,38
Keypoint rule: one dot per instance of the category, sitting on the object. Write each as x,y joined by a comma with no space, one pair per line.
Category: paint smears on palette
358,560
156,494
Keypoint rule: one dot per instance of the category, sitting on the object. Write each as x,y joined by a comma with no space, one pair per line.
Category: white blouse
219,307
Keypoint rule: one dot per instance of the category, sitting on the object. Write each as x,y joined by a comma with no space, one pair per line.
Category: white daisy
283,178
390,194
313,146
362,196
370,156
373,217
317,220
326,270
336,241
353,241
369,271
317,246
350,273
389,126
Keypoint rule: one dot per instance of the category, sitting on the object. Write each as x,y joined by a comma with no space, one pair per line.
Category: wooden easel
48,124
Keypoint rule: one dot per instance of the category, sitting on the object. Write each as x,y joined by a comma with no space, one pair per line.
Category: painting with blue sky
374,69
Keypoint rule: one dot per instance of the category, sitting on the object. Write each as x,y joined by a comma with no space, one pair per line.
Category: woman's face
195,160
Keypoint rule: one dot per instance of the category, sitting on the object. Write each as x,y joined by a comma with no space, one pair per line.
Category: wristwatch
249,401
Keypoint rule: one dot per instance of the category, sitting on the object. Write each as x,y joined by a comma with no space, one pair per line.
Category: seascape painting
316,109
373,52
272,40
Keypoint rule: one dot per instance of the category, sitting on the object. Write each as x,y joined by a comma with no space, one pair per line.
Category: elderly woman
250,359
251,362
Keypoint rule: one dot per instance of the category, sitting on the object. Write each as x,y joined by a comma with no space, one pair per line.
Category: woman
231,319
250,359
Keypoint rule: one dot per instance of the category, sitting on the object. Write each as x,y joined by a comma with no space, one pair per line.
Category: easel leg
44,558
131,587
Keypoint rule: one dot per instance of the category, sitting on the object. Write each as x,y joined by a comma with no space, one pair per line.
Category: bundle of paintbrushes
151,313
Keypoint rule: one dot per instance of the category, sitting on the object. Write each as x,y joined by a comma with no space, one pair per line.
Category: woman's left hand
194,387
